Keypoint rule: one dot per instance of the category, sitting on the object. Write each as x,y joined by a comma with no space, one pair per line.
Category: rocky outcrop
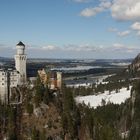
135,65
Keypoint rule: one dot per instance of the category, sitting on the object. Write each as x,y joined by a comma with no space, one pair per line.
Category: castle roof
20,44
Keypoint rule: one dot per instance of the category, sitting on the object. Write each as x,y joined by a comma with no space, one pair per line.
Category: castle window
2,83
2,78
2,73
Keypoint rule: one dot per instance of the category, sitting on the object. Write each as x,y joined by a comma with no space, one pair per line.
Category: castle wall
8,80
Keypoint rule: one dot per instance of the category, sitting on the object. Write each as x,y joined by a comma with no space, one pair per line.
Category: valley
98,98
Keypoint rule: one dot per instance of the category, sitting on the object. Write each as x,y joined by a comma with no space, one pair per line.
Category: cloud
116,50
65,48
119,33
80,48
93,11
136,26
42,48
88,12
105,4
81,1
124,48
87,48
4,47
124,33
6,50
126,9
49,48
138,33
118,45
112,29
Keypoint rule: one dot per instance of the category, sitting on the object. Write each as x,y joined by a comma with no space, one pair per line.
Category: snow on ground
116,98
78,68
121,64
101,78
80,85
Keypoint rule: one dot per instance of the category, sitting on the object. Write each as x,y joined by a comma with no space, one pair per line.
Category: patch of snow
103,83
79,85
46,126
96,100
101,78
78,68
125,134
120,64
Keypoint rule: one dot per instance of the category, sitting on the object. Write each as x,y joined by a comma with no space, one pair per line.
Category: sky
83,29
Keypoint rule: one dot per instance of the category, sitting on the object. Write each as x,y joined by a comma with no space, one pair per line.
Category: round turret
20,62
20,48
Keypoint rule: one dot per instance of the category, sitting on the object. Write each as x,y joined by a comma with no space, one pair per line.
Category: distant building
11,78
51,78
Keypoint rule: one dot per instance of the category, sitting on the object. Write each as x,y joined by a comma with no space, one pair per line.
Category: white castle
10,78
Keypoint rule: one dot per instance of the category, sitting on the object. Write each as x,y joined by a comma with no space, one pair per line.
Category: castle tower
20,62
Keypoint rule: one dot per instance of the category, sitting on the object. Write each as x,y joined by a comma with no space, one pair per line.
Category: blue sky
71,28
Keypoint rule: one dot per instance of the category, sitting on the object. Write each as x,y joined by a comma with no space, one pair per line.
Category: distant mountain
129,72
135,65
5,58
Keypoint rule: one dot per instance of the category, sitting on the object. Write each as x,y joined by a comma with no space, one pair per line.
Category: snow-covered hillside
116,98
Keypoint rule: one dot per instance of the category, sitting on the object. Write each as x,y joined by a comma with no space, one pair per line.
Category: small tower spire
20,48
20,44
